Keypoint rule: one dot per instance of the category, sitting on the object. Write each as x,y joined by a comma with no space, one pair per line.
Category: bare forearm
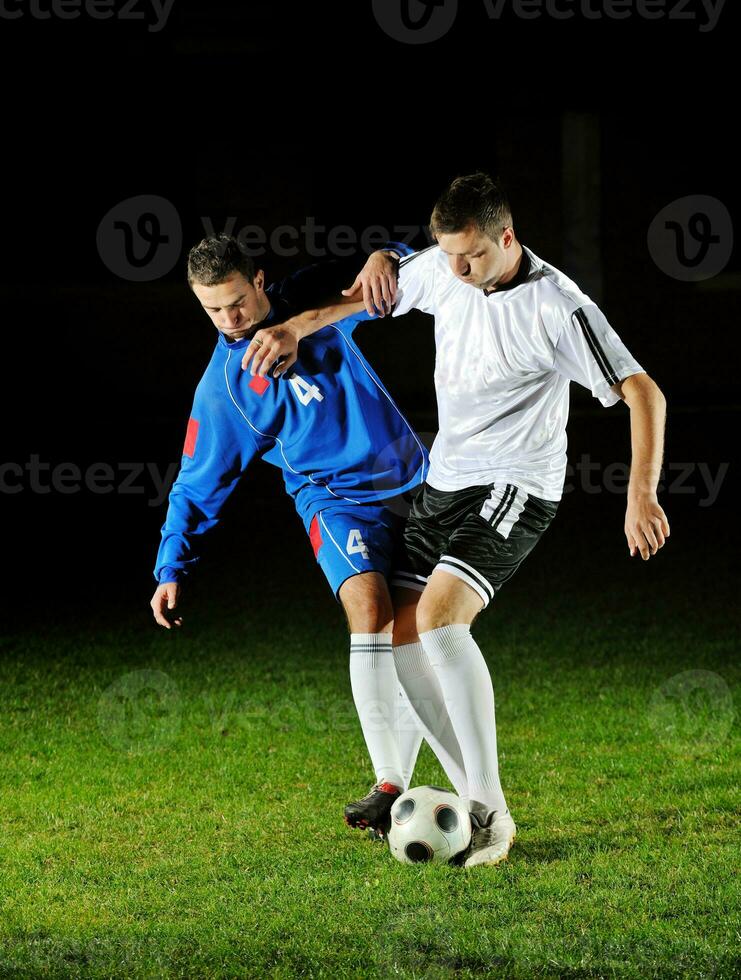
646,525
281,342
647,424
310,321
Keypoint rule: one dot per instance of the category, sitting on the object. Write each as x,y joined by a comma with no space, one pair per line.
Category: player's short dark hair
216,258
475,199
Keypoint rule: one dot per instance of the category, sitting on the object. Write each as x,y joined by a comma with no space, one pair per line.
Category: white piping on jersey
391,400
324,525
267,435
415,255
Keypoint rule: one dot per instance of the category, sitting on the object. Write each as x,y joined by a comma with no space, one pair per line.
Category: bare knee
446,600
431,617
367,604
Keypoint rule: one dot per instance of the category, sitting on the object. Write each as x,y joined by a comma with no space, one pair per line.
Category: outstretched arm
271,343
374,290
646,524
217,451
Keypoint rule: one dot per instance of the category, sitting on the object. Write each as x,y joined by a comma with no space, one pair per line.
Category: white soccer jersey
502,370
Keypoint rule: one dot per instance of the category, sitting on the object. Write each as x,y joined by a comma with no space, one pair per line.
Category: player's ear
508,237
259,281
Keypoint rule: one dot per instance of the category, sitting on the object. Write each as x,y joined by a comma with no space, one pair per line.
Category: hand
379,281
646,526
164,599
281,341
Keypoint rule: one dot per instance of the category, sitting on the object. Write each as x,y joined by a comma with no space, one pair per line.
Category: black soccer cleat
374,810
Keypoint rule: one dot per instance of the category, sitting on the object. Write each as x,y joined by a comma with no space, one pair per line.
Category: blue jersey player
345,450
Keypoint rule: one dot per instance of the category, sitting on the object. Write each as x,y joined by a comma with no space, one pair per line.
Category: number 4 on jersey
356,545
304,391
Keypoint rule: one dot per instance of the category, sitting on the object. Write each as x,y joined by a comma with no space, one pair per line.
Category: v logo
417,24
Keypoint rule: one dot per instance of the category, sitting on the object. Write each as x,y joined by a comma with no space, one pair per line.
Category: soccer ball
428,824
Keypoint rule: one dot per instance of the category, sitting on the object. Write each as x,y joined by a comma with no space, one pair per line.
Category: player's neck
516,263
264,313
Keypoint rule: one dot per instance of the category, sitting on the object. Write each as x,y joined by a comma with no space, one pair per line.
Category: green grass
197,831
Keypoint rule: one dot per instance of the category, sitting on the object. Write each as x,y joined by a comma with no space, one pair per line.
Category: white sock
375,689
469,695
420,682
409,735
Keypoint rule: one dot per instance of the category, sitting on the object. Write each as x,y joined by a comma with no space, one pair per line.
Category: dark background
271,113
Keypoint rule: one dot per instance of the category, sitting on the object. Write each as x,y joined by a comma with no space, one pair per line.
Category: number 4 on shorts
356,545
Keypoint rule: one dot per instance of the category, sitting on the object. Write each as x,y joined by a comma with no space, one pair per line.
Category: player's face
236,305
475,258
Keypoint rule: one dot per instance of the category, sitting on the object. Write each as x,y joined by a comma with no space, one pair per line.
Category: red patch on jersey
260,385
315,536
191,437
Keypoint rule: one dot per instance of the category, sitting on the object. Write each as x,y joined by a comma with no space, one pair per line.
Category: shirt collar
241,344
522,273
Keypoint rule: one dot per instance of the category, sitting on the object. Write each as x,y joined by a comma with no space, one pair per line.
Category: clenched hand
164,600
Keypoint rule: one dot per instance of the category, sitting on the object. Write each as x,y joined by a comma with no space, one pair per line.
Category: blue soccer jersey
330,425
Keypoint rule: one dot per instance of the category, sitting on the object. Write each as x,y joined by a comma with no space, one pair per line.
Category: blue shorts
354,538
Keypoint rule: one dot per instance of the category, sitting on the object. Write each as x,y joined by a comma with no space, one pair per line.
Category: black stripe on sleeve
610,375
415,255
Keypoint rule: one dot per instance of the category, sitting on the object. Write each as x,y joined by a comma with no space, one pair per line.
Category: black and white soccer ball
428,824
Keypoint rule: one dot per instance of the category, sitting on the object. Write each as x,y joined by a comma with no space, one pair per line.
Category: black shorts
480,534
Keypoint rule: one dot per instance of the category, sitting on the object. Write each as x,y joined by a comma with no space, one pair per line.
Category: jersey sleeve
590,352
311,286
416,283
216,453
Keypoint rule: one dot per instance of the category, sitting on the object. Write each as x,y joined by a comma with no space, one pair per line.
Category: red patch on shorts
315,536
191,437
260,385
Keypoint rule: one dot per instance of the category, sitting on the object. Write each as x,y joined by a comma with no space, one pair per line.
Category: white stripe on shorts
502,508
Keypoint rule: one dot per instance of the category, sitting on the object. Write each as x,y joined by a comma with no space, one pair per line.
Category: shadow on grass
563,848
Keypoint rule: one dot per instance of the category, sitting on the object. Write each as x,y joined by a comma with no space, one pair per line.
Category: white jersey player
511,333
